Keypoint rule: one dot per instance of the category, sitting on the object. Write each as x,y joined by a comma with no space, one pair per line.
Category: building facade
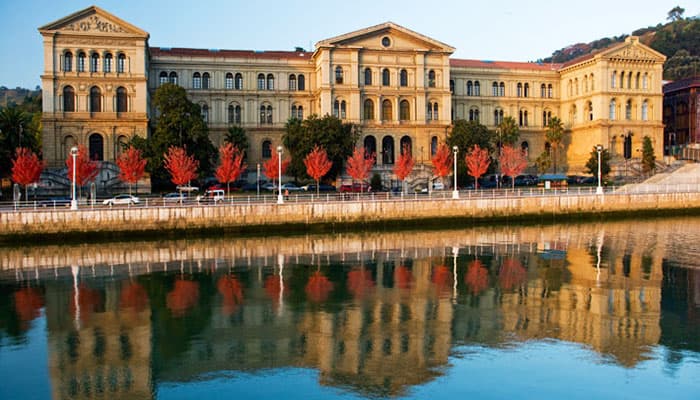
401,88
682,118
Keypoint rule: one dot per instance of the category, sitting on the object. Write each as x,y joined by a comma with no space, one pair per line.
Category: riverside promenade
352,212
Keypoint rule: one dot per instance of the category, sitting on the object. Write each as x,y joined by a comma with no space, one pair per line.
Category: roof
682,84
383,27
254,54
459,63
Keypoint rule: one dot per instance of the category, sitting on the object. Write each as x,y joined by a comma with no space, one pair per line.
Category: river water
578,311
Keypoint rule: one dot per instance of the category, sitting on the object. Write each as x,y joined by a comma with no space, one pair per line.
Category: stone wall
244,217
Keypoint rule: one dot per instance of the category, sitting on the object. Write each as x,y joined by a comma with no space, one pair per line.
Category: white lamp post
455,193
280,199
599,189
74,200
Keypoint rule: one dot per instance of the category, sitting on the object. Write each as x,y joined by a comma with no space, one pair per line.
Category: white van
212,196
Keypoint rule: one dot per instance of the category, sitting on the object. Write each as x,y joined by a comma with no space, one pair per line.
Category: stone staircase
686,178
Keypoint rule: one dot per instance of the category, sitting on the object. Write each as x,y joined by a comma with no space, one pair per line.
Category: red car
356,188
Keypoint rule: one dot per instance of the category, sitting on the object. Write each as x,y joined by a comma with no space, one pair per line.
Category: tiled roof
458,63
266,55
682,84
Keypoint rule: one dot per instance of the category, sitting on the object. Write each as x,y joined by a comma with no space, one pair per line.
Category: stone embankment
252,217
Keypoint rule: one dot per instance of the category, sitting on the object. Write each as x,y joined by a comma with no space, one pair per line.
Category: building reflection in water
374,314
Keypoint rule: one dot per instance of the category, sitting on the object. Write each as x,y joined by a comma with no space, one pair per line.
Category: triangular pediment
632,50
94,21
399,39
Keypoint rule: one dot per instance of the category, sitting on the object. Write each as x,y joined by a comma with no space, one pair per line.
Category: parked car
321,188
212,196
290,187
269,186
355,188
122,199
175,197
188,189
60,201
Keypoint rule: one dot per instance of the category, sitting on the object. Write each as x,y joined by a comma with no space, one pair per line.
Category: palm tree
554,135
16,130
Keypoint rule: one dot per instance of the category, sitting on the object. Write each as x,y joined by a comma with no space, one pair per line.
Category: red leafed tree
318,288
182,168
511,274
270,167
28,304
131,165
359,165
477,277
133,297
513,162
317,164
85,169
442,161
26,168
442,279
231,165
184,296
274,286
404,165
232,292
477,163
360,282
403,277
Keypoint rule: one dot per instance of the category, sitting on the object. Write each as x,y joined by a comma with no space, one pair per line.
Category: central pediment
633,50
387,36
94,21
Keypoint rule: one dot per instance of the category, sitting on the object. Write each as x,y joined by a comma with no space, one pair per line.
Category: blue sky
504,30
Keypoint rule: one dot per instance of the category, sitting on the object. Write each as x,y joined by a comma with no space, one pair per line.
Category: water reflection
374,313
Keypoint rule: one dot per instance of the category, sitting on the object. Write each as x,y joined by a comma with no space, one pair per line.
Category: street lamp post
280,199
74,200
257,181
455,193
599,189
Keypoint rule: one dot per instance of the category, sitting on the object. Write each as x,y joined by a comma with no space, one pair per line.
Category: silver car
122,199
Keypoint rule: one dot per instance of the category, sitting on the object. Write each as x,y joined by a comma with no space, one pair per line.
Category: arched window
386,110
336,108
228,81
292,82
163,78
343,109
368,77
543,90
368,113
612,110
339,74
388,150
95,99
265,114
121,63
122,144
94,62
205,112
592,83
196,80
300,113
108,62
546,117
470,88
645,80
526,90
431,78
122,103
403,78
576,86
266,149
474,114
523,118
301,82
370,147
589,110
173,78
404,110
549,91
270,82
629,80
570,88
613,79
477,88
96,147
205,80
525,148
502,89
81,62
68,61
497,116
435,111
519,90
628,110
230,115
452,86
494,89
433,145
261,81
68,99
238,84
406,145
386,77
645,110
585,84
269,114
234,114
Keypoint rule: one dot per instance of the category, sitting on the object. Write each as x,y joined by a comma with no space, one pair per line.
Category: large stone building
400,87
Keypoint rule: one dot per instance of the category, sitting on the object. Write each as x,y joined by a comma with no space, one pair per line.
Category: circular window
386,42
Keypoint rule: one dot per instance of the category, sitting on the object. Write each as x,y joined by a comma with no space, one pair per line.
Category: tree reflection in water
232,292
28,304
512,274
183,297
442,279
133,297
403,277
360,282
318,288
477,277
